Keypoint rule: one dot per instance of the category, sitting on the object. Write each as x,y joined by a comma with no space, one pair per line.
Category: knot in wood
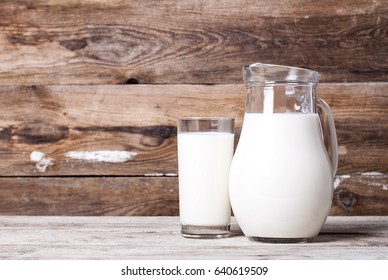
347,199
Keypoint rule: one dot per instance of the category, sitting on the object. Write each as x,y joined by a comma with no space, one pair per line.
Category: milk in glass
204,163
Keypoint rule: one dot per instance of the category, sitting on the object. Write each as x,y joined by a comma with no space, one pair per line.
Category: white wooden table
59,237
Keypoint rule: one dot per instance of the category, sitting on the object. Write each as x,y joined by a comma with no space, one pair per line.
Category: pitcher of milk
281,176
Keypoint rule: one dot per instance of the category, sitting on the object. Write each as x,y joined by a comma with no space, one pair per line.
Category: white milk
204,161
281,182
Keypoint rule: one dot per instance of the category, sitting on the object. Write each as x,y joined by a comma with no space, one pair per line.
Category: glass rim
206,124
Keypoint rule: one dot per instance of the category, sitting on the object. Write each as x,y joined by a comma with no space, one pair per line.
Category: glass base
205,232
281,240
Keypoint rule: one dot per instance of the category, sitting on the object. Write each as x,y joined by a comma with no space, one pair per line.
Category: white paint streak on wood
338,180
342,150
379,185
171,175
373,173
42,162
102,156
156,174
375,184
383,186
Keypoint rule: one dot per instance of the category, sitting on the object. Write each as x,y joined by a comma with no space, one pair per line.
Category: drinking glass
205,150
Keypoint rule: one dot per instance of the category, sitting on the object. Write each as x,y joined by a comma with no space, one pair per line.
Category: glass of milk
205,151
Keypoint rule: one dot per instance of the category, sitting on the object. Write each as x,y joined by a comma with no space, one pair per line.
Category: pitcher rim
306,76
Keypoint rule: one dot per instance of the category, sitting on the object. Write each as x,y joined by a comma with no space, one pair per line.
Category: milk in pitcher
288,174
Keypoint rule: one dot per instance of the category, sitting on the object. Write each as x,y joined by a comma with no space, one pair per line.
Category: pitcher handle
329,132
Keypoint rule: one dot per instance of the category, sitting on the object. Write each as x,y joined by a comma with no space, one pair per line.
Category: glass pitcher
281,176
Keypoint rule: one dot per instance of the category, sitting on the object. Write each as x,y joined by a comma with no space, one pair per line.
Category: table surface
59,237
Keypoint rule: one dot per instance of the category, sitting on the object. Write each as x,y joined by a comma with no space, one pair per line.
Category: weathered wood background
90,92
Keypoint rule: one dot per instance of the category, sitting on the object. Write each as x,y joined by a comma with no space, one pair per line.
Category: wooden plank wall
90,92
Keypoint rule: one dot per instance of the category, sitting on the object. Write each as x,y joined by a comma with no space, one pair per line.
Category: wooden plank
54,130
361,118
360,194
131,130
169,41
154,196
41,125
159,238
134,119
112,196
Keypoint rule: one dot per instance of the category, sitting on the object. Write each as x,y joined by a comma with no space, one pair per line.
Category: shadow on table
331,234
351,231
325,237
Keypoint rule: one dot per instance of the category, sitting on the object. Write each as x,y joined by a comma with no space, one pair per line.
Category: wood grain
137,119
141,119
72,111
125,238
155,196
361,118
207,42
111,196
56,120
360,194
